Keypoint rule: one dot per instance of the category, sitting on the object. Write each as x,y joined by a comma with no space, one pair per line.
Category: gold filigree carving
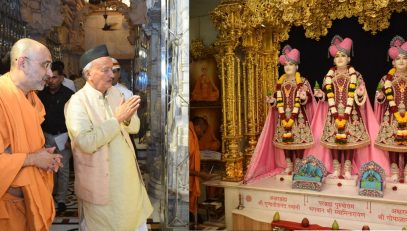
257,27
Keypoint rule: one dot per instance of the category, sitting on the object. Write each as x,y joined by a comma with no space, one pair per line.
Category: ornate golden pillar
251,65
269,72
227,19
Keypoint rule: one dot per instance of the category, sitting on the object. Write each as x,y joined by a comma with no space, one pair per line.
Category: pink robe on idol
267,159
362,155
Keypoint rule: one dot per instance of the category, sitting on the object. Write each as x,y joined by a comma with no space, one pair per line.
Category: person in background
26,183
5,63
208,140
197,129
78,81
108,183
116,83
67,82
54,97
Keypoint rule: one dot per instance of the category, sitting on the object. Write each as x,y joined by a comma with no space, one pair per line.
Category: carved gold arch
250,32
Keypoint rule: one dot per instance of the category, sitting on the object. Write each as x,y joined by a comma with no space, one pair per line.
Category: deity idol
287,130
344,90
390,110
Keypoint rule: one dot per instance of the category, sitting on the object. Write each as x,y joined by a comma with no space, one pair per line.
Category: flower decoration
340,120
288,122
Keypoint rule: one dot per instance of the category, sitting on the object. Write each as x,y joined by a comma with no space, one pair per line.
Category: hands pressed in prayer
127,108
45,159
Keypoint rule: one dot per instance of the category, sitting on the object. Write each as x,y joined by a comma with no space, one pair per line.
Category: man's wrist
29,160
127,122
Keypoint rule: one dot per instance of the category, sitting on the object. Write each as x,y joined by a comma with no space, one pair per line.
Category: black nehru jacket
54,107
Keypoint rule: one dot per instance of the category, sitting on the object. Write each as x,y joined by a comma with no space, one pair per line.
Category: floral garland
288,123
340,119
401,117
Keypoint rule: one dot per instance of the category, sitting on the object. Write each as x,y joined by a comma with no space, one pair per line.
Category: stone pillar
177,47
155,150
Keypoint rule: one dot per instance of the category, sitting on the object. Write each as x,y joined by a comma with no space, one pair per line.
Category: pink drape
362,155
267,160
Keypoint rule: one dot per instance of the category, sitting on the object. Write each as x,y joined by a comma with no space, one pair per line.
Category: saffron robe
194,165
20,132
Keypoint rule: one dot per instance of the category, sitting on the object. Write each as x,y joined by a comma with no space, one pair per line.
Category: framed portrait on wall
204,83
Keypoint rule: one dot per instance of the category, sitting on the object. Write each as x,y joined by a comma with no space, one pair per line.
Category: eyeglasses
116,70
45,64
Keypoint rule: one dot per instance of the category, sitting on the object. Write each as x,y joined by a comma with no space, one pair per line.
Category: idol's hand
302,94
318,93
270,99
380,95
360,90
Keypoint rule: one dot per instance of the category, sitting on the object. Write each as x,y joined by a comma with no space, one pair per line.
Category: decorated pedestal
261,199
372,180
309,174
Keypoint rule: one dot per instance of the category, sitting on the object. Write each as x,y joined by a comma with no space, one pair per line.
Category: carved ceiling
315,16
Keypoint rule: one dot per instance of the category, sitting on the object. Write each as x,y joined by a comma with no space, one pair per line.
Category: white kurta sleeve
83,133
134,126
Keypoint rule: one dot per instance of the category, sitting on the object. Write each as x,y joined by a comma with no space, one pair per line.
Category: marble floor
68,220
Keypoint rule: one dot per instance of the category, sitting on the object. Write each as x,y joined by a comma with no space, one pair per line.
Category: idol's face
400,63
341,59
290,68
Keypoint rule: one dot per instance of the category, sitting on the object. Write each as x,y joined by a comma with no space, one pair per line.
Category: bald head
30,64
25,47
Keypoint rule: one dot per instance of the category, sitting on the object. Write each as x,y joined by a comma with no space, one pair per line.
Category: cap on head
116,64
92,54
289,55
340,44
397,46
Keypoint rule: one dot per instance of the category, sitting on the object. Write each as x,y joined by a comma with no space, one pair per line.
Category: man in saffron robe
197,127
26,184
194,169
108,182
208,140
